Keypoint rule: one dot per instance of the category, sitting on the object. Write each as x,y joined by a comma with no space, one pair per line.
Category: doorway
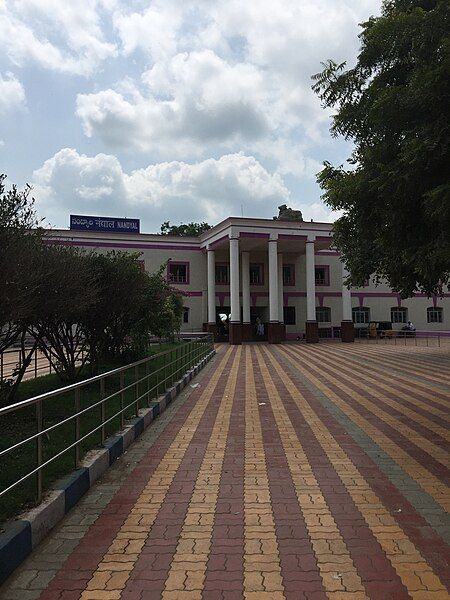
223,314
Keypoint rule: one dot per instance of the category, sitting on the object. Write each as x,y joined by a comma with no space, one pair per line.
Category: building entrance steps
285,474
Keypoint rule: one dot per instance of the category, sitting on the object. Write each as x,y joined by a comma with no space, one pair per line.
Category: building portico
262,256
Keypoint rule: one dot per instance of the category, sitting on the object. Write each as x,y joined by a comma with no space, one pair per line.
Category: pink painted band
138,246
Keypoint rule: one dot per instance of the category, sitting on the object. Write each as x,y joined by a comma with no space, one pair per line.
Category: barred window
223,274
256,274
361,315
399,314
322,275
434,314
179,272
288,275
323,314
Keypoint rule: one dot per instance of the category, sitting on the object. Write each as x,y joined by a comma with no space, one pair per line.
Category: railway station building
247,279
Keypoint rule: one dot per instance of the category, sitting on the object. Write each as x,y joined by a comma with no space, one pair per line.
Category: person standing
259,327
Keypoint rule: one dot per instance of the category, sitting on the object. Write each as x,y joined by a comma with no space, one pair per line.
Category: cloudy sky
170,109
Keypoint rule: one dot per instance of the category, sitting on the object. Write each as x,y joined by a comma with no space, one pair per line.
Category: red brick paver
290,473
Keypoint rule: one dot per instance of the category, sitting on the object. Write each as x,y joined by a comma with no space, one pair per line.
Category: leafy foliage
395,105
121,285
75,306
19,262
130,307
187,229
67,295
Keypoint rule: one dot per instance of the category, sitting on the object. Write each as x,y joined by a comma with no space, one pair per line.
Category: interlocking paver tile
291,473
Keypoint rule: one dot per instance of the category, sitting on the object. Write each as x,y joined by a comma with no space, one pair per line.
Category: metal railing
406,338
399,338
11,359
116,394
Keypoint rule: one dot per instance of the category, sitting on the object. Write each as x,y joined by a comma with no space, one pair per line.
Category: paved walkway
290,472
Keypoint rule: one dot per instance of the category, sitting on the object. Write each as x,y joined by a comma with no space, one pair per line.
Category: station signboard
106,224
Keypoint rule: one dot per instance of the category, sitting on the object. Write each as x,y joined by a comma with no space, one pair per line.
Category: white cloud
190,80
292,36
57,35
154,30
191,100
208,190
12,93
225,76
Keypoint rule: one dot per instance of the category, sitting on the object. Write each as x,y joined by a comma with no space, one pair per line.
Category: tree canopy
20,274
184,229
74,306
395,191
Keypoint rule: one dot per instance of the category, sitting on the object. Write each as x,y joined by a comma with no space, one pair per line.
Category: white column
245,256
346,297
310,282
211,287
234,280
280,289
273,281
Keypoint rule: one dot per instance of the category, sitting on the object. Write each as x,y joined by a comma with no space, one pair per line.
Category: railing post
166,382
157,381
180,368
147,377
77,427
39,428
103,409
136,380
122,399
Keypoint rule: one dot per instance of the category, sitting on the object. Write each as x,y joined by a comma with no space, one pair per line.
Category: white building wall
380,299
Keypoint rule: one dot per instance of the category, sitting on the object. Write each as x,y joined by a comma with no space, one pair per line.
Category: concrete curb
22,535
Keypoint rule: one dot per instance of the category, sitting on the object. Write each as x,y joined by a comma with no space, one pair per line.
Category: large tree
394,104
184,229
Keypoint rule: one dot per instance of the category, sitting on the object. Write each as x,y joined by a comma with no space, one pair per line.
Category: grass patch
20,424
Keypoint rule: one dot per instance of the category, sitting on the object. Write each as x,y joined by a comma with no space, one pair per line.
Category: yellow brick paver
406,560
187,572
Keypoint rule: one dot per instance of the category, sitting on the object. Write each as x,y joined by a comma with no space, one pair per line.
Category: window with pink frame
178,272
288,275
322,275
256,274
